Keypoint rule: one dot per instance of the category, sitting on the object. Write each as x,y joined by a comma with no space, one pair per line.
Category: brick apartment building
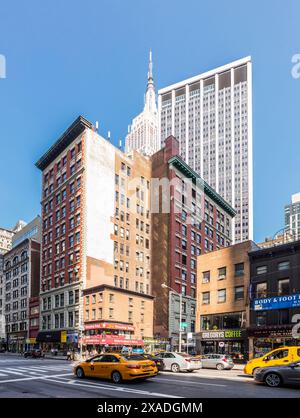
223,280
22,282
275,297
96,267
197,221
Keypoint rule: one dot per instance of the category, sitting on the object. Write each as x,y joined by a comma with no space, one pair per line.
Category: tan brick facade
223,279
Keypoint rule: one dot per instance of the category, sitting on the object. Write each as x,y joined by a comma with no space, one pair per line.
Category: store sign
228,334
278,302
270,333
110,340
108,325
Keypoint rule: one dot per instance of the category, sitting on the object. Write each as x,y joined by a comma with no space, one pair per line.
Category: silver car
177,362
217,361
275,376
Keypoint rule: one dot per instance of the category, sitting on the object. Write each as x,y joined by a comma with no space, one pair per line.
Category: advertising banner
278,302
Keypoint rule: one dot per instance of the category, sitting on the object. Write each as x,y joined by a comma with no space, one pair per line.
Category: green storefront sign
228,334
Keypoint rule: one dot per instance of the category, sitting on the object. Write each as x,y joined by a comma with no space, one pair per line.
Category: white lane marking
28,370
189,381
21,379
113,388
12,371
213,375
44,369
2,374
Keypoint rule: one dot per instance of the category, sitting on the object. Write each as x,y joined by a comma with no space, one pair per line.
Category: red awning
110,340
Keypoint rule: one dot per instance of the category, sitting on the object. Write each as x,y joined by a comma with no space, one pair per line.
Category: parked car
177,362
157,360
116,367
34,354
279,375
217,361
279,357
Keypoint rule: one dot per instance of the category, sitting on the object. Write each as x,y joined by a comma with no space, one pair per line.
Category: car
177,362
157,360
217,361
279,357
279,375
116,367
34,354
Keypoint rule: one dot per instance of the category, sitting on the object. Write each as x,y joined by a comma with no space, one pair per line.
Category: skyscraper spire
150,68
150,102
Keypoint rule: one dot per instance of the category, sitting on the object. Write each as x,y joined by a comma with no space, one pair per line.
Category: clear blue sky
66,58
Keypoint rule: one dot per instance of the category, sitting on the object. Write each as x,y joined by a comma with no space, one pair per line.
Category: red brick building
190,219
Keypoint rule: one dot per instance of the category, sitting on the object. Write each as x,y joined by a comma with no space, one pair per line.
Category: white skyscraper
143,133
292,217
211,116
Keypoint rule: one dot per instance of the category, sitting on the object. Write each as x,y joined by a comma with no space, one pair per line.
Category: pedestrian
69,355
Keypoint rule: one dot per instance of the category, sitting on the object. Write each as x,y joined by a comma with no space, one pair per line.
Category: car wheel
80,373
190,371
273,380
175,368
116,377
220,366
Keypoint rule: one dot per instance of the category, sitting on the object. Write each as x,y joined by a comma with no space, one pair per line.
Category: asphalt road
46,378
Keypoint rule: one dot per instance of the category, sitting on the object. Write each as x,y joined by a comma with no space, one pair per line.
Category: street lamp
180,310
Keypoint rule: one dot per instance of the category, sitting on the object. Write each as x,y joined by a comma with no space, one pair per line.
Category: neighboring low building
188,219
6,238
223,300
279,239
275,297
22,277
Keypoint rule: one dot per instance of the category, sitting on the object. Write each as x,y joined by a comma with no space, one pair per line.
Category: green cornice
181,165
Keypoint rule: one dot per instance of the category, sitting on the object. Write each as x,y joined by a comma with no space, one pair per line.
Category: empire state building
143,132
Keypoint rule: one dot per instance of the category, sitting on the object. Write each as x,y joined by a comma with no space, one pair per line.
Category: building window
283,317
221,273
205,298
239,269
206,277
261,290
261,319
284,265
283,286
261,270
239,293
222,296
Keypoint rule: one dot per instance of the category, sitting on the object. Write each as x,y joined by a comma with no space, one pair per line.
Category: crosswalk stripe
9,371
2,374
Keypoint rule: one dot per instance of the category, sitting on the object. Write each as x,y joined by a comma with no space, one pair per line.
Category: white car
177,362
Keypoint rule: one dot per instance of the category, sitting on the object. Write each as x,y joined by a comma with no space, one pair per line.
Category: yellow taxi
279,357
116,367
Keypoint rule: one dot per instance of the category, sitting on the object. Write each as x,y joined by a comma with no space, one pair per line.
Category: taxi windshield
133,357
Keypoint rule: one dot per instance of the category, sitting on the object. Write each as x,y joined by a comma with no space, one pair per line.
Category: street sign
183,325
189,335
221,344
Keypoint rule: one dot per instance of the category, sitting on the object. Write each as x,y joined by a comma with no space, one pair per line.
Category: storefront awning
49,337
110,340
